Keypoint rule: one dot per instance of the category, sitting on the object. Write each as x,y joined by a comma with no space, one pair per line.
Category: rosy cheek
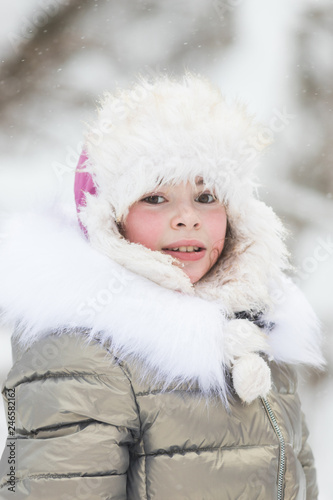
143,227
217,225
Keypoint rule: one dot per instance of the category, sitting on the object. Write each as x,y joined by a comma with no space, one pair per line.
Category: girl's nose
186,216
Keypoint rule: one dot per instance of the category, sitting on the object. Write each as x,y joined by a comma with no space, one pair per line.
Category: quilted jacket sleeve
307,461
76,418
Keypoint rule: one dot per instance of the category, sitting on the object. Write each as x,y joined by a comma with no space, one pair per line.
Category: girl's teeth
185,249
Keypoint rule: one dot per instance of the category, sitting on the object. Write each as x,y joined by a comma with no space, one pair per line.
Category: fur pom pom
251,377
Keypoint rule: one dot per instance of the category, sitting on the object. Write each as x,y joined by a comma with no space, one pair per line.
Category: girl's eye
206,198
154,199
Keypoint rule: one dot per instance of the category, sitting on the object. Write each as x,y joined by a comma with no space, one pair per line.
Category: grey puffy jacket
87,428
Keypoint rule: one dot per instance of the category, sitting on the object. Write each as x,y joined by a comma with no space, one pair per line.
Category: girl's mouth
185,249
186,252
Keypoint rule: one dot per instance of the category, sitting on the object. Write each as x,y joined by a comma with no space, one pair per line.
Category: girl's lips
186,255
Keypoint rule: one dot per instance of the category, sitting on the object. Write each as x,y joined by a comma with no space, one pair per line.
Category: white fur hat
171,131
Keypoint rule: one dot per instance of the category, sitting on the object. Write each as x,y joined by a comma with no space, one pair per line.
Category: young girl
155,344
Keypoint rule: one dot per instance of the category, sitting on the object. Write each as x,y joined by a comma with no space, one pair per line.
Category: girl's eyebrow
199,183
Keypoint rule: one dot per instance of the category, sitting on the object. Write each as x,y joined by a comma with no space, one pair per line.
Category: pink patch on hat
83,184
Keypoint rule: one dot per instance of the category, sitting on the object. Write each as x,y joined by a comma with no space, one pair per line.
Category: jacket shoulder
70,372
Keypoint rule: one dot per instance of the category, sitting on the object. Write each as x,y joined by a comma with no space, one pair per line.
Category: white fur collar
51,279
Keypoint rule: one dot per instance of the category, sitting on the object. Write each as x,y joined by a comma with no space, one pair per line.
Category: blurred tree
130,35
38,46
315,77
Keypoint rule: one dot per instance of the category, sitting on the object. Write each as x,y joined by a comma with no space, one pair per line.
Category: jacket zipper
282,460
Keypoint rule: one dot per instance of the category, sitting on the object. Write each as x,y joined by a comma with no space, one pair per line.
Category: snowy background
57,57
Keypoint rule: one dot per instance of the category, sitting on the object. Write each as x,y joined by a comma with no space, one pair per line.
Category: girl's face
184,221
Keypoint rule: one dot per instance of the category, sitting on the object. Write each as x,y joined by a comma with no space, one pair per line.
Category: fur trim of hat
172,131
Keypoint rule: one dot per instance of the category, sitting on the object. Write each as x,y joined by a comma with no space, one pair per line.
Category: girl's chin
196,270
195,275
